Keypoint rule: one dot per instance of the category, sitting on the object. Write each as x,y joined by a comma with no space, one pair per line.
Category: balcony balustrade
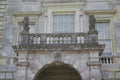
52,38
58,41
107,59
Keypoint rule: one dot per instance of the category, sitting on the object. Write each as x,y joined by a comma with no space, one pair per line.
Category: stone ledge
7,68
94,63
110,67
59,47
27,13
100,12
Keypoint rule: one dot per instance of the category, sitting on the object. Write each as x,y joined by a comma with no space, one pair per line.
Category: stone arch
58,71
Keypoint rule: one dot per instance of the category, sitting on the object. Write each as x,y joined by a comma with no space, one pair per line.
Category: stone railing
107,59
53,38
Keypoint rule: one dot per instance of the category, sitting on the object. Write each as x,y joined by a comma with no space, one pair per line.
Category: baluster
57,40
109,60
48,40
65,39
82,39
52,41
36,40
69,39
60,40
104,61
78,39
39,40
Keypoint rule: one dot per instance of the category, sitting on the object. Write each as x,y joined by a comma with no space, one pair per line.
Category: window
104,36
118,37
63,23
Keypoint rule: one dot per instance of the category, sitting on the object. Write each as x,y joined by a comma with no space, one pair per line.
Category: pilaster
94,66
2,20
21,65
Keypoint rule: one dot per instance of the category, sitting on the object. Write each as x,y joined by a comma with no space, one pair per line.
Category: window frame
110,39
54,14
51,9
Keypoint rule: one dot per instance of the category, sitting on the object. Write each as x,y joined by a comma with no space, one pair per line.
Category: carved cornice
27,14
94,63
94,12
60,47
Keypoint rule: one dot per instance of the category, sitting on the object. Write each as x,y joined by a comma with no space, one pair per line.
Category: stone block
1,36
3,61
2,6
1,27
1,46
2,2
2,10
1,14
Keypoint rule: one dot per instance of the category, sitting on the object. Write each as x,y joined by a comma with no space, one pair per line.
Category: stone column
3,11
21,65
94,66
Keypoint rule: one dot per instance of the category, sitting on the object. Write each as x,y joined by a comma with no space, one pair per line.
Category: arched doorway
57,71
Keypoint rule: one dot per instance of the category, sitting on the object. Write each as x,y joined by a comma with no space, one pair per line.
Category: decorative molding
64,8
94,63
63,4
62,47
27,14
19,16
97,12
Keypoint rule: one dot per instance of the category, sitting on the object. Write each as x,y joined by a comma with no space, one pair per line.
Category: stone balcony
58,41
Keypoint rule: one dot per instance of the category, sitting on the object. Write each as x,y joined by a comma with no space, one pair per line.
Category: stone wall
38,59
16,10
